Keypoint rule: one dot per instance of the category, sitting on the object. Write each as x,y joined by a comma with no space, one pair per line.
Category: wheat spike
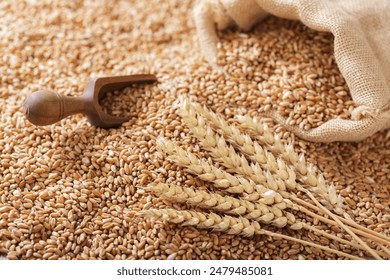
226,204
229,224
306,172
230,159
250,148
229,205
205,170
266,187
208,172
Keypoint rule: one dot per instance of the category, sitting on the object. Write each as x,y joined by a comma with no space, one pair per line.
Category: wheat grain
99,174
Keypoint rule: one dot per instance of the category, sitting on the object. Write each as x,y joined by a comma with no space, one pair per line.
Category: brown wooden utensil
47,107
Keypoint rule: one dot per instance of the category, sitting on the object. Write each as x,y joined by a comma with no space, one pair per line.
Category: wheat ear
204,170
220,178
268,195
193,114
251,148
230,205
226,204
246,145
227,155
305,171
229,224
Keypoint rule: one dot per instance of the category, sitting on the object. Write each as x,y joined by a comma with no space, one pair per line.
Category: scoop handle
47,107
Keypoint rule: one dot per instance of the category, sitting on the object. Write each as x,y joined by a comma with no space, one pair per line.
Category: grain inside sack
361,41
74,191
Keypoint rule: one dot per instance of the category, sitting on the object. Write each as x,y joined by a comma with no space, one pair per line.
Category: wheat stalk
356,228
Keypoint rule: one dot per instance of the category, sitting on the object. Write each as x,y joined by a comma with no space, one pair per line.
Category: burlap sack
361,30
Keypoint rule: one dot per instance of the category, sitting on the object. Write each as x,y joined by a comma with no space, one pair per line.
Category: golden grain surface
70,191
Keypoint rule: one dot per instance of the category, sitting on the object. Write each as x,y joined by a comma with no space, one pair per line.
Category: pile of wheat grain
70,191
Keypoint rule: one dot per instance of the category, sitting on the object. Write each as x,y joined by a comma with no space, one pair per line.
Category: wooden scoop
47,107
